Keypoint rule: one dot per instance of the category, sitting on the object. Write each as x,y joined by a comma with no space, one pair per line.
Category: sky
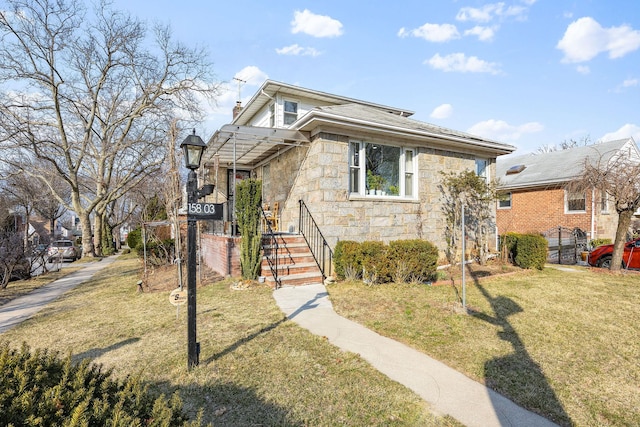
530,73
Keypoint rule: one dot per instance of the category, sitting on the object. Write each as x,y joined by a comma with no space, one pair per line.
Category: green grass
563,344
256,368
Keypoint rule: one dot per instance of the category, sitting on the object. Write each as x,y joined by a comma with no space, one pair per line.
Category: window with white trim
575,201
604,202
272,115
381,170
482,168
290,112
504,201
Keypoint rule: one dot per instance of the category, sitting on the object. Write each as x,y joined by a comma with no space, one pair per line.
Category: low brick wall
221,254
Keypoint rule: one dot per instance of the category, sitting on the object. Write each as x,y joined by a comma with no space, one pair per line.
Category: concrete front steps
296,265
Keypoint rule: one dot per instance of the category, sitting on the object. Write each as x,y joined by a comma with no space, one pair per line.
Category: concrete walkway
20,309
448,391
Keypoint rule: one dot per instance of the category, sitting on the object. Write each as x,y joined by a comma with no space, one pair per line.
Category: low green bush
599,242
134,238
415,258
531,251
347,259
375,262
39,388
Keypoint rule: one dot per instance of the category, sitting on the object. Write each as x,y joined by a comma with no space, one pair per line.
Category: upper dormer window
272,115
482,166
290,112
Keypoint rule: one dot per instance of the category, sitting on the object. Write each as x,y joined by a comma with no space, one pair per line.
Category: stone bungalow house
356,170
534,198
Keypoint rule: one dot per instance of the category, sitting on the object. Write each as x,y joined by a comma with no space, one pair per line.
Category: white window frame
509,195
566,203
286,113
359,170
485,174
272,115
604,202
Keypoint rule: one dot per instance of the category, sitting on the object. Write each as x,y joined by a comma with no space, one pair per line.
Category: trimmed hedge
599,242
526,250
418,257
347,259
41,389
400,261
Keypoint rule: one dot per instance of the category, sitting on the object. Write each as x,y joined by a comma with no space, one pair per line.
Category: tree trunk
87,235
97,231
624,221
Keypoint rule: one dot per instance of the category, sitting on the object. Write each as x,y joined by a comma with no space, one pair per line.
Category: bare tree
616,175
92,97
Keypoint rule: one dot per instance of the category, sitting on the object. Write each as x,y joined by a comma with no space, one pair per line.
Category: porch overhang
248,146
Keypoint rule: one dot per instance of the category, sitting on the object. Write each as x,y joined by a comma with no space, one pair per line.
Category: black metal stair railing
272,253
318,245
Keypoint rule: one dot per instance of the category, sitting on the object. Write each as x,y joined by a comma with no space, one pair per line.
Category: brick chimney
237,109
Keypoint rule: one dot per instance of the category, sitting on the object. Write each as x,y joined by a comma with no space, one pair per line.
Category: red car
601,256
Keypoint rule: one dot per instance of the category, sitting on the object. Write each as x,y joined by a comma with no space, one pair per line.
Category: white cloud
463,64
583,69
253,75
626,131
494,10
628,83
295,49
585,38
500,130
432,32
315,25
483,33
443,111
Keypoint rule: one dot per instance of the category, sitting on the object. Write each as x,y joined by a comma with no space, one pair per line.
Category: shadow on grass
244,340
94,353
517,375
228,404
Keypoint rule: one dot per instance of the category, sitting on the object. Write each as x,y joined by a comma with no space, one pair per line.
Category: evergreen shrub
347,259
531,251
39,388
599,242
134,238
375,262
418,258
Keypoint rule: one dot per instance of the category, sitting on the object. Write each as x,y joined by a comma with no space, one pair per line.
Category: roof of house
251,145
383,122
557,167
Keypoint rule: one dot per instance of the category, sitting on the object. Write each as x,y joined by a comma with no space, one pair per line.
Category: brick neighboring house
363,171
534,198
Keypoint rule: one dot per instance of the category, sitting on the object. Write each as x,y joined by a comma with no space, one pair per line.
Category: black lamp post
193,147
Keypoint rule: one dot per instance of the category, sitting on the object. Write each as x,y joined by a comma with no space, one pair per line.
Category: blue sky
525,72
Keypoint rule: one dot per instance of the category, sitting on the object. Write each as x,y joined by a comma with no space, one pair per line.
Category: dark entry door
239,176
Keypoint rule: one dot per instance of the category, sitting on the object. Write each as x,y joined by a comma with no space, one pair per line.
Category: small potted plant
375,182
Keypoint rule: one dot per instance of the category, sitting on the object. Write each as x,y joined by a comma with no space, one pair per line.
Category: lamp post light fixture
193,147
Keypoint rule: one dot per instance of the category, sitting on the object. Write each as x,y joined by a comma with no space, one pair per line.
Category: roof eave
316,117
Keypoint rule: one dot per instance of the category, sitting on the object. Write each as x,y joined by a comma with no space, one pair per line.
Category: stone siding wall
322,182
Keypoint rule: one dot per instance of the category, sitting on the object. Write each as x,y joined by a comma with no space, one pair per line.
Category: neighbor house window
576,201
381,170
482,168
604,202
504,201
272,115
290,112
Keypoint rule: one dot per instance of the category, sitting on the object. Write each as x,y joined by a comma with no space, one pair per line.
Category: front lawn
256,368
563,344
